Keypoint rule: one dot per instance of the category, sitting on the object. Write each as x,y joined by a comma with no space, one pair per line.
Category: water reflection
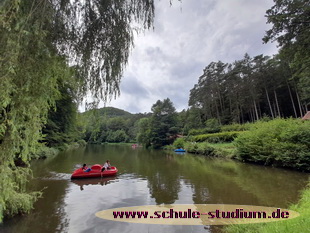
146,177
180,153
93,181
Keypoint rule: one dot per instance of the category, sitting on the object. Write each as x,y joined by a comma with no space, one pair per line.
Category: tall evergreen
291,29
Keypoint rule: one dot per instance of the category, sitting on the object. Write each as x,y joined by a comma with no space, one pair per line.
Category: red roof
307,116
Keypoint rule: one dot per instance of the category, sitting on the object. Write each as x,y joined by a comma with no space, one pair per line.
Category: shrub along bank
226,150
279,143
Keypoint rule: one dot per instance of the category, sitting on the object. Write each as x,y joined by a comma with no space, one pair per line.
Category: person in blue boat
106,166
85,168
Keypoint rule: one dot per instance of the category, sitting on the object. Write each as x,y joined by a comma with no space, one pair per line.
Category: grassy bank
300,224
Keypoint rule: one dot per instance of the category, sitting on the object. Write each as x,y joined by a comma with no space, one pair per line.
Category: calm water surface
146,178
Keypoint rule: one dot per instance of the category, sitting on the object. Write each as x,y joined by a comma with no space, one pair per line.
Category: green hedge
235,127
217,137
193,132
280,142
224,128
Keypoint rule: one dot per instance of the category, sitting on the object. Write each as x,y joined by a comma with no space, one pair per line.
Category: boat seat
96,167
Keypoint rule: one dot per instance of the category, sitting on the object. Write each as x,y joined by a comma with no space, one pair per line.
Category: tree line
247,90
109,124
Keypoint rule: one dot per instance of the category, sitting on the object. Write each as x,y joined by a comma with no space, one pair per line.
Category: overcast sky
166,62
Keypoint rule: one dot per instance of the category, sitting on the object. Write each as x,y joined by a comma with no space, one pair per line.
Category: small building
307,116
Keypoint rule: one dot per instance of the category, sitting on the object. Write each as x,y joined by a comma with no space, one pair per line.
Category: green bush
82,142
199,148
280,142
204,149
179,143
117,136
213,125
217,137
227,150
191,147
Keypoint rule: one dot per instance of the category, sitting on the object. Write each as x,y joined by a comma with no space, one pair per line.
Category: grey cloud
131,86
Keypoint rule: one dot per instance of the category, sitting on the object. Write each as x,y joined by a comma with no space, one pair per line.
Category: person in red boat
85,168
106,166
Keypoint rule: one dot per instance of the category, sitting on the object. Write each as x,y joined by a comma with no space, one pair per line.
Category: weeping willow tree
42,42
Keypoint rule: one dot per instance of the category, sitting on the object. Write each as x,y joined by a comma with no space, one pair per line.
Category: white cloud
188,36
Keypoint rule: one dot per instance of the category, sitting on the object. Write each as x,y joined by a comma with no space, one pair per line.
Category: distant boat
134,146
179,150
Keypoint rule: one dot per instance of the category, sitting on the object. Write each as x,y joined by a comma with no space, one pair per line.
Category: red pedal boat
94,172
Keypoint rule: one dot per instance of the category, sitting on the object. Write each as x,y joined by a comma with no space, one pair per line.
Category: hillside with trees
110,125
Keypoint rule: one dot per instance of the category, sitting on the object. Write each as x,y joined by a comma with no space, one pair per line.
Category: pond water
146,177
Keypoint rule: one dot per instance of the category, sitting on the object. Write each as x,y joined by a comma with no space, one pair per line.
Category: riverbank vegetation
278,142
282,143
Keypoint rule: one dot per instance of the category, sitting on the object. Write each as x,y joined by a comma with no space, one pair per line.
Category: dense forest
110,125
54,53
249,89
